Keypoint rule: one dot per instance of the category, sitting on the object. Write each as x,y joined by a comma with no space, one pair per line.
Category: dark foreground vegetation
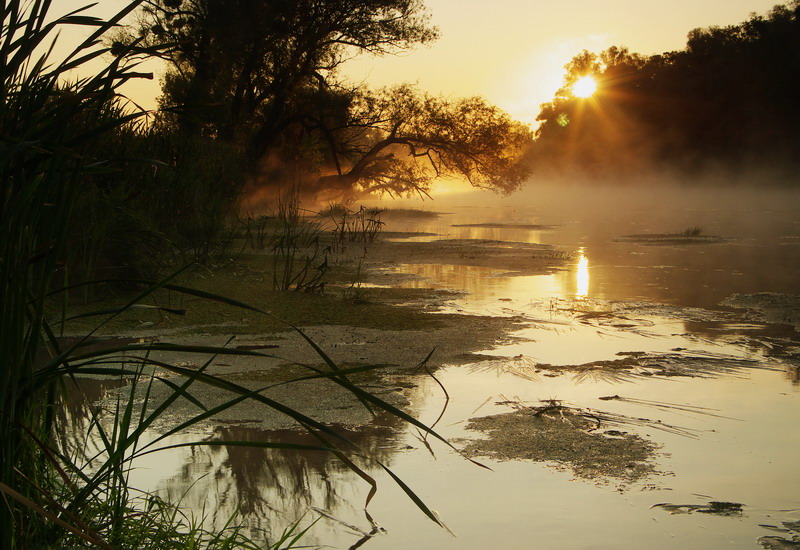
724,106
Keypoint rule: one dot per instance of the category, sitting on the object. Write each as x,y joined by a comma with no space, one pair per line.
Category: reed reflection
268,489
75,411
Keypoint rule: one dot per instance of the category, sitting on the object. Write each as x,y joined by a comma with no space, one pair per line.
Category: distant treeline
726,104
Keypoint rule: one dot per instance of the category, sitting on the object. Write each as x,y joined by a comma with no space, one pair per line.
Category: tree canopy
400,139
236,65
726,100
263,74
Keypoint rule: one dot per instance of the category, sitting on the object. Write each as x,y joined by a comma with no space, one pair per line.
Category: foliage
237,66
185,196
399,140
263,75
46,127
726,100
163,201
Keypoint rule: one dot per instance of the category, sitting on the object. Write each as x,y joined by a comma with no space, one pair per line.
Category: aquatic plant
360,226
47,125
299,259
694,231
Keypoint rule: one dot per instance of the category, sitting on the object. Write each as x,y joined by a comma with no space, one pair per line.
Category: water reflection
264,490
268,489
486,285
76,408
582,275
755,258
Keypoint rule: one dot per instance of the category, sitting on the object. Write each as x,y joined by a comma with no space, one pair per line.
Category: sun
584,87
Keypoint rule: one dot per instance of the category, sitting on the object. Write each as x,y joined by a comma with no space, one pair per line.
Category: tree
399,139
236,66
263,74
727,99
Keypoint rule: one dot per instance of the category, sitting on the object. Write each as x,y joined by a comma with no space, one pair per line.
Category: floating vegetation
694,231
573,438
692,235
770,307
520,366
779,543
667,406
714,507
536,227
791,528
679,362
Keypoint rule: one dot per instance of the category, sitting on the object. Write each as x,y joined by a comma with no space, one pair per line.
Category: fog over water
760,228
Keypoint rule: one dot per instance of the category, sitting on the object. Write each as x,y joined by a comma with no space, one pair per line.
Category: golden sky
513,51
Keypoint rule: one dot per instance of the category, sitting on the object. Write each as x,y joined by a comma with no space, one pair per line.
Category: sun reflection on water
582,275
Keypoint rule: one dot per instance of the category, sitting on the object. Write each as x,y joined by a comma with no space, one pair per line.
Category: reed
349,226
47,126
300,259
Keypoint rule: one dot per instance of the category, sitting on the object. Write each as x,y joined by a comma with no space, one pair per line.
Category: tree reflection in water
269,489
265,490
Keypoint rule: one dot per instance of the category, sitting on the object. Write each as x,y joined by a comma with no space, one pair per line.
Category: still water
737,410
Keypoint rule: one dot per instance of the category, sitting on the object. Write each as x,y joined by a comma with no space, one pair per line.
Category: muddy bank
355,324
397,354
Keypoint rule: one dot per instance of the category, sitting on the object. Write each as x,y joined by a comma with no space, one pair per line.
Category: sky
512,52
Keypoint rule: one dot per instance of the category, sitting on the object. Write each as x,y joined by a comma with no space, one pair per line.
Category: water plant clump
694,231
349,226
299,257
571,437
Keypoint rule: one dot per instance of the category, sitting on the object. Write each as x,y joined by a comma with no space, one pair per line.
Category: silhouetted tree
399,139
727,99
236,66
262,74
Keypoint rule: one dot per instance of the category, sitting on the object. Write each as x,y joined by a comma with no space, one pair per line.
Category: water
660,304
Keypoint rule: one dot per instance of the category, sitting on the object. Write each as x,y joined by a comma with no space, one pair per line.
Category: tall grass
46,127
360,226
54,141
300,259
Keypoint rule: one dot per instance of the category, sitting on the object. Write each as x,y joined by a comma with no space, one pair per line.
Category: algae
565,437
